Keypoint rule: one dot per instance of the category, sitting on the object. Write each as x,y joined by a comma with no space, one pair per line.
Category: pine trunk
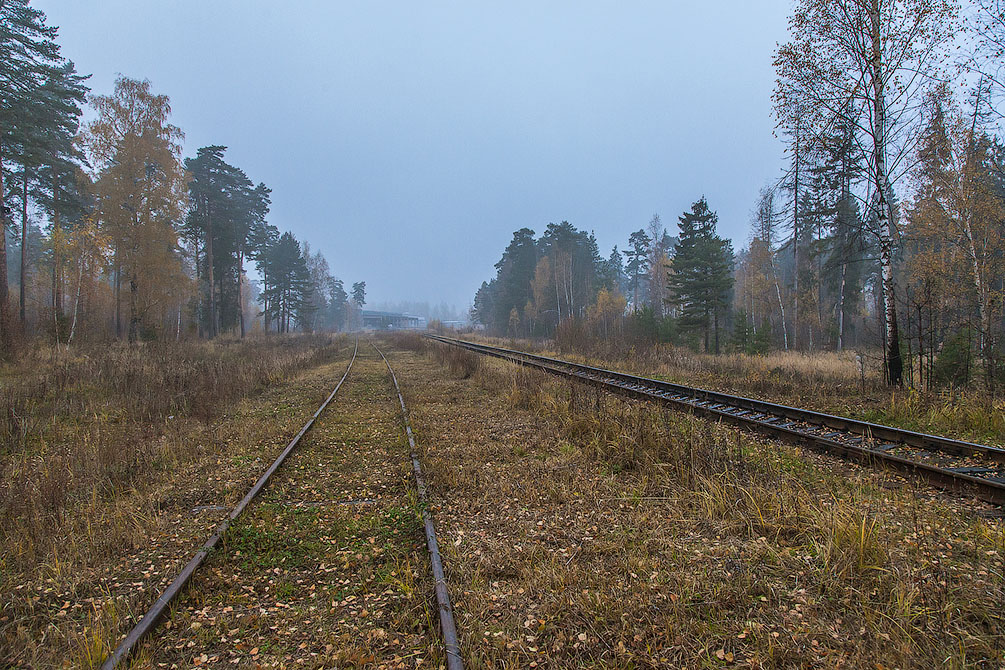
840,307
6,327
209,275
24,243
240,291
57,254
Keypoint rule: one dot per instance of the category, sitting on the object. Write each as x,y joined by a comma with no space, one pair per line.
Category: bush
953,365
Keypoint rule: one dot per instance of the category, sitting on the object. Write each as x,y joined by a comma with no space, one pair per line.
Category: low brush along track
964,467
354,453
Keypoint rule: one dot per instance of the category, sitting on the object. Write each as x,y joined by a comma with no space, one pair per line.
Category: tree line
110,232
662,287
885,234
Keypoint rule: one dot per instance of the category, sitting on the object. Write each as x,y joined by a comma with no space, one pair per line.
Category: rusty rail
156,611
447,626
859,440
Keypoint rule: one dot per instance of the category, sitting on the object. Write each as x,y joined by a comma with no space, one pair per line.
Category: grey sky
408,140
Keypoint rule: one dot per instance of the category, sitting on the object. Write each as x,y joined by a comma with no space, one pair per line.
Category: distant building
373,320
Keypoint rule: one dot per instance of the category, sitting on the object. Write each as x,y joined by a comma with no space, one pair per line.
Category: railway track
964,467
171,595
446,612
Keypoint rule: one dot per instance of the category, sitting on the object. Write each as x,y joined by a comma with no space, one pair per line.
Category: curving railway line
161,607
964,467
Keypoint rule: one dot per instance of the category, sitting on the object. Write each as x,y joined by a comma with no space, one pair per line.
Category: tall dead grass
80,425
845,383
898,575
461,363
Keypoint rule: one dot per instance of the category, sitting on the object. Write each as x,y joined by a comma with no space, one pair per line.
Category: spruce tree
701,276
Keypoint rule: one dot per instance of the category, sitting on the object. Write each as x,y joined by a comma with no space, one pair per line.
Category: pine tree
338,302
611,272
289,287
701,276
359,293
226,208
638,264
40,94
514,273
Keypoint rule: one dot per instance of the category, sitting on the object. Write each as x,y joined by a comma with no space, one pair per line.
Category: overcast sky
408,140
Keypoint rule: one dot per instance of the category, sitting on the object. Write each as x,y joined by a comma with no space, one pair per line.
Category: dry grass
461,362
824,381
592,531
78,426
83,432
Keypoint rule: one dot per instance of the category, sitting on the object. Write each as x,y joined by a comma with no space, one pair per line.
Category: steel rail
447,625
841,435
153,615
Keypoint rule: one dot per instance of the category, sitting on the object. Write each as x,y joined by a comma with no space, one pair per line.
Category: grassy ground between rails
585,531
67,600
328,569
825,381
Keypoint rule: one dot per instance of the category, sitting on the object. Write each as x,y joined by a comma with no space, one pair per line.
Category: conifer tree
226,208
289,286
40,94
701,276
637,265
359,293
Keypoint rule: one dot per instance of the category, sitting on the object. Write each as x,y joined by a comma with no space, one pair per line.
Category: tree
359,293
572,257
656,261
957,214
321,289
141,195
481,307
514,272
987,22
226,211
39,108
611,272
261,240
89,250
608,312
339,302
287,295
638,263
868,63
701,276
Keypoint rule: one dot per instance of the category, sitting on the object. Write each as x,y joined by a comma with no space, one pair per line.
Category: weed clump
410,341
461,362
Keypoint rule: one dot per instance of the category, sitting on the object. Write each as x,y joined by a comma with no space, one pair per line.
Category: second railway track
326,566
961,466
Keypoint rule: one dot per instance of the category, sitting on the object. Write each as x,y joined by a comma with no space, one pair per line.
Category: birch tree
141,193
869,63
